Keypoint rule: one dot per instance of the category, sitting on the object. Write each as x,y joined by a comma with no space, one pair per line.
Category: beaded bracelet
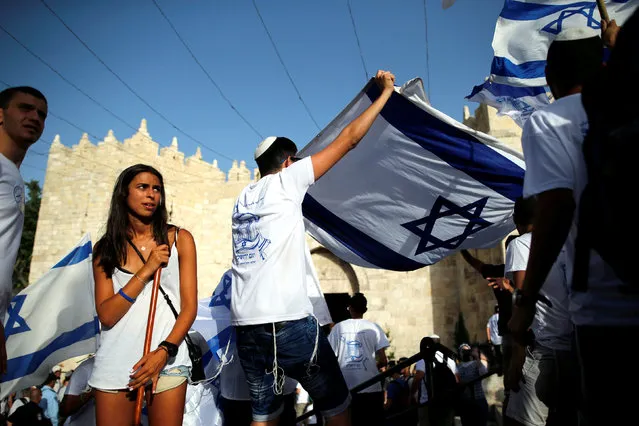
126,296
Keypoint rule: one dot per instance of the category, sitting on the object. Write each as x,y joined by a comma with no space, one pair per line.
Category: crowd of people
567,299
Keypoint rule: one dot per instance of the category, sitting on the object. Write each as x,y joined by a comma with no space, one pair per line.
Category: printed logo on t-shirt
18,195
354,353
249,244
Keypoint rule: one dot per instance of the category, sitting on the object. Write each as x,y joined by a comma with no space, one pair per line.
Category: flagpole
147,342
601,4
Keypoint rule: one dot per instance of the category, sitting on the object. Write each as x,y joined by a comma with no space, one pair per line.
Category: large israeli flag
51,321
524,31
417,188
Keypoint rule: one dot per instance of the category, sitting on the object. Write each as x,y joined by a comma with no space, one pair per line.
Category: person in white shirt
494,338
360,346
442,415
539,375
78,404
23,111
276,334
604,315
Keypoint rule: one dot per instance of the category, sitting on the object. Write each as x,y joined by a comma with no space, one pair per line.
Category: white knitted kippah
263,146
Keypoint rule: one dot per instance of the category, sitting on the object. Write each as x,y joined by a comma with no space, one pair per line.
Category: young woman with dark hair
138,241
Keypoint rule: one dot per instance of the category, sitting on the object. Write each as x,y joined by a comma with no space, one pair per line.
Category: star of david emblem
556,26
221,298
445,208
15,324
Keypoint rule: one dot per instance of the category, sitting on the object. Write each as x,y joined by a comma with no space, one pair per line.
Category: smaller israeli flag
52,320
524,31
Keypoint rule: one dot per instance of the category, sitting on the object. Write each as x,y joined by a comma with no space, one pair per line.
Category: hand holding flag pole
147,341
601,4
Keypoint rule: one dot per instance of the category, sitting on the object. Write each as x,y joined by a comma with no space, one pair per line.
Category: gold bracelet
139,279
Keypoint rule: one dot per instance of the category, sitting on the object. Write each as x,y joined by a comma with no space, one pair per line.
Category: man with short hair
30,413
23,111
49,402
604,314
277,335
360,346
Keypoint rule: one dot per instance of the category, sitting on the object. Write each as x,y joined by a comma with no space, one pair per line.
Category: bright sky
315,40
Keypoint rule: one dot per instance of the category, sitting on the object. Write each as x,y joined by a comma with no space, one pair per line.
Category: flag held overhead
418,187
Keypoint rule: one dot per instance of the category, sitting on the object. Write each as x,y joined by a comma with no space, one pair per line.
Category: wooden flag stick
147,342
601,4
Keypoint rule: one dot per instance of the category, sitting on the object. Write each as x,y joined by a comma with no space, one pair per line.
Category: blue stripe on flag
520,11
506,90
220,339
357,241
459,149
505,68
76,256
26,364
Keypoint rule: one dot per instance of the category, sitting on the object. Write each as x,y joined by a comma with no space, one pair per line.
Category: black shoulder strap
166,296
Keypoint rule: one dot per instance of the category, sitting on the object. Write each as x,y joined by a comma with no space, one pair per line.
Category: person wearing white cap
277,335
57,370
556,174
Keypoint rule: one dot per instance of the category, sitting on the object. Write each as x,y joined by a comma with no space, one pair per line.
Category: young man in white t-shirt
604,316
541,381
277,335
23,111
360,346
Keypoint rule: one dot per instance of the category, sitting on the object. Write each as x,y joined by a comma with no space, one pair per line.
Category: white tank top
121,346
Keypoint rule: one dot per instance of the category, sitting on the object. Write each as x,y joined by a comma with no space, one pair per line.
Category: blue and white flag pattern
524,31
418,187
50,321
213,320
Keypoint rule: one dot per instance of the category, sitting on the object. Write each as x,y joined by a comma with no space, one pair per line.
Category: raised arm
355,131
472,261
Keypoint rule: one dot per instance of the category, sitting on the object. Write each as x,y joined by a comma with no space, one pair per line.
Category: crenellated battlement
141,148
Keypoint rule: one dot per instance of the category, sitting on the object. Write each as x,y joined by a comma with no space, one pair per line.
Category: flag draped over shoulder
418,187
524,31
51,321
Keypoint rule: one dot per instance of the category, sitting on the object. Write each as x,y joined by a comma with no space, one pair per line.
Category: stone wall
200,197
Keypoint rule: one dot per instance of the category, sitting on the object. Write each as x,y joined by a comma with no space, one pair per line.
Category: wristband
171,349
126,296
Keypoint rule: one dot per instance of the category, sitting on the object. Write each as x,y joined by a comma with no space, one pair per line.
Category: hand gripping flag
524,31
50,321
418,187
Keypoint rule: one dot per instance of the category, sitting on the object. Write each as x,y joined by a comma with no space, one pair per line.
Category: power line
359,47
299,95
65,79
50,113
129,87
219,89
97,138
427,55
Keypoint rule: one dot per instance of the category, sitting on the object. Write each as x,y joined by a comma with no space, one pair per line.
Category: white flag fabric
418,187
50,321
524,31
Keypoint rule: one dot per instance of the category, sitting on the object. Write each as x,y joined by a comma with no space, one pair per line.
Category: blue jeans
295,341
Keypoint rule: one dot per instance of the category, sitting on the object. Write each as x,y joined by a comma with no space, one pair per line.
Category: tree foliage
23,261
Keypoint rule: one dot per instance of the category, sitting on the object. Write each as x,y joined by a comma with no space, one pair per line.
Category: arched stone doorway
338,281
